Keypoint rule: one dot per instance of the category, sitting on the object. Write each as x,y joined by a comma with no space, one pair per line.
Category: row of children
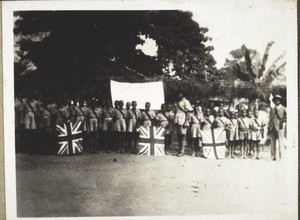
105,127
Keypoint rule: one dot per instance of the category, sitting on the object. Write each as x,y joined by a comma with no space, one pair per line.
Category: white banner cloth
152,92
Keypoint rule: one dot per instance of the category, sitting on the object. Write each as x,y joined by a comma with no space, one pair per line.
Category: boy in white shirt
244,123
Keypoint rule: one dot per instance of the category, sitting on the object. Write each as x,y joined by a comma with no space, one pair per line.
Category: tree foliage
74,50
248,72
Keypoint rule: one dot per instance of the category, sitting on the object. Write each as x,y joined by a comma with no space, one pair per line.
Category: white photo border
8,91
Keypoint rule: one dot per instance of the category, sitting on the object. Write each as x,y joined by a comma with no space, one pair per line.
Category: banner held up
152,92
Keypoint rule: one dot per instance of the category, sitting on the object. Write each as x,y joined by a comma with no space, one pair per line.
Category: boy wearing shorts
256,133
233,135
148,116
93,118
243,124
165,119
196,119
134,117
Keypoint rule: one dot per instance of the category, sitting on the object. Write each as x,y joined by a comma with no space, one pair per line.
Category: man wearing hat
276,126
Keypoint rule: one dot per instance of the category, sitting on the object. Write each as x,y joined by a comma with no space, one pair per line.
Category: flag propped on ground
214,143
69,138
152,141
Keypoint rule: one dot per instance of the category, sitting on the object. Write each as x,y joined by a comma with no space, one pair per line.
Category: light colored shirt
244,123
181,108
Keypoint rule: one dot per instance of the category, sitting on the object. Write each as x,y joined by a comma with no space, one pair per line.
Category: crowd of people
108,128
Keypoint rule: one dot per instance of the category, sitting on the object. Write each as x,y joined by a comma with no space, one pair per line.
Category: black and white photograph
184,109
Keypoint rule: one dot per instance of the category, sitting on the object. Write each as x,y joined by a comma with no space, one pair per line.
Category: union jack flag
69,138
214,143
152,141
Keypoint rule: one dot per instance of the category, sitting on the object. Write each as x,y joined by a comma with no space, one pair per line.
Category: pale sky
233,23
251,23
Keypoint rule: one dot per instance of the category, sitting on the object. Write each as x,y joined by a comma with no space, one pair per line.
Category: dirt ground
130,185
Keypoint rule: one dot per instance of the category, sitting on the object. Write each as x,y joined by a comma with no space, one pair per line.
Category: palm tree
252,78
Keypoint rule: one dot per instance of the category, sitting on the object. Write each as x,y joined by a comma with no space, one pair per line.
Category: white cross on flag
214,143
69,138
152,140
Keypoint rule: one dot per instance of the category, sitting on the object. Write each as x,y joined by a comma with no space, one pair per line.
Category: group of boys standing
105,126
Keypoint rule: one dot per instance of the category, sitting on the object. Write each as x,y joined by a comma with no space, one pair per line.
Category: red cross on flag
214,143
69,138
152,140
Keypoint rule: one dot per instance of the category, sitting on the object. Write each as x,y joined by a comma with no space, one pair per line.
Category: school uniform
214,112
30,125
107,119
256,131
196,120
100,112
93,117
233,134
239,112
244,124
30,109
222,122
85,127
134,116
166,120
19,123
181,109
171,116
79,115
22,116
72,114
18,113
147,118
45,122
62,116
207,122
52,107
200,110
38,112
120,123
46,131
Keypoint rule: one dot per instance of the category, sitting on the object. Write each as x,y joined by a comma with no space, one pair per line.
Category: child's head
128,105
121,104
147,106
180,95
133,104
236,115
163,107
249,113
239,106
196,109
277,100
244,113
116,104
221,112
103,103
207,112
169,107
108,104
232,114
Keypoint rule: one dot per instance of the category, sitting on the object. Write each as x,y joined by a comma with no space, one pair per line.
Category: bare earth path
95,185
